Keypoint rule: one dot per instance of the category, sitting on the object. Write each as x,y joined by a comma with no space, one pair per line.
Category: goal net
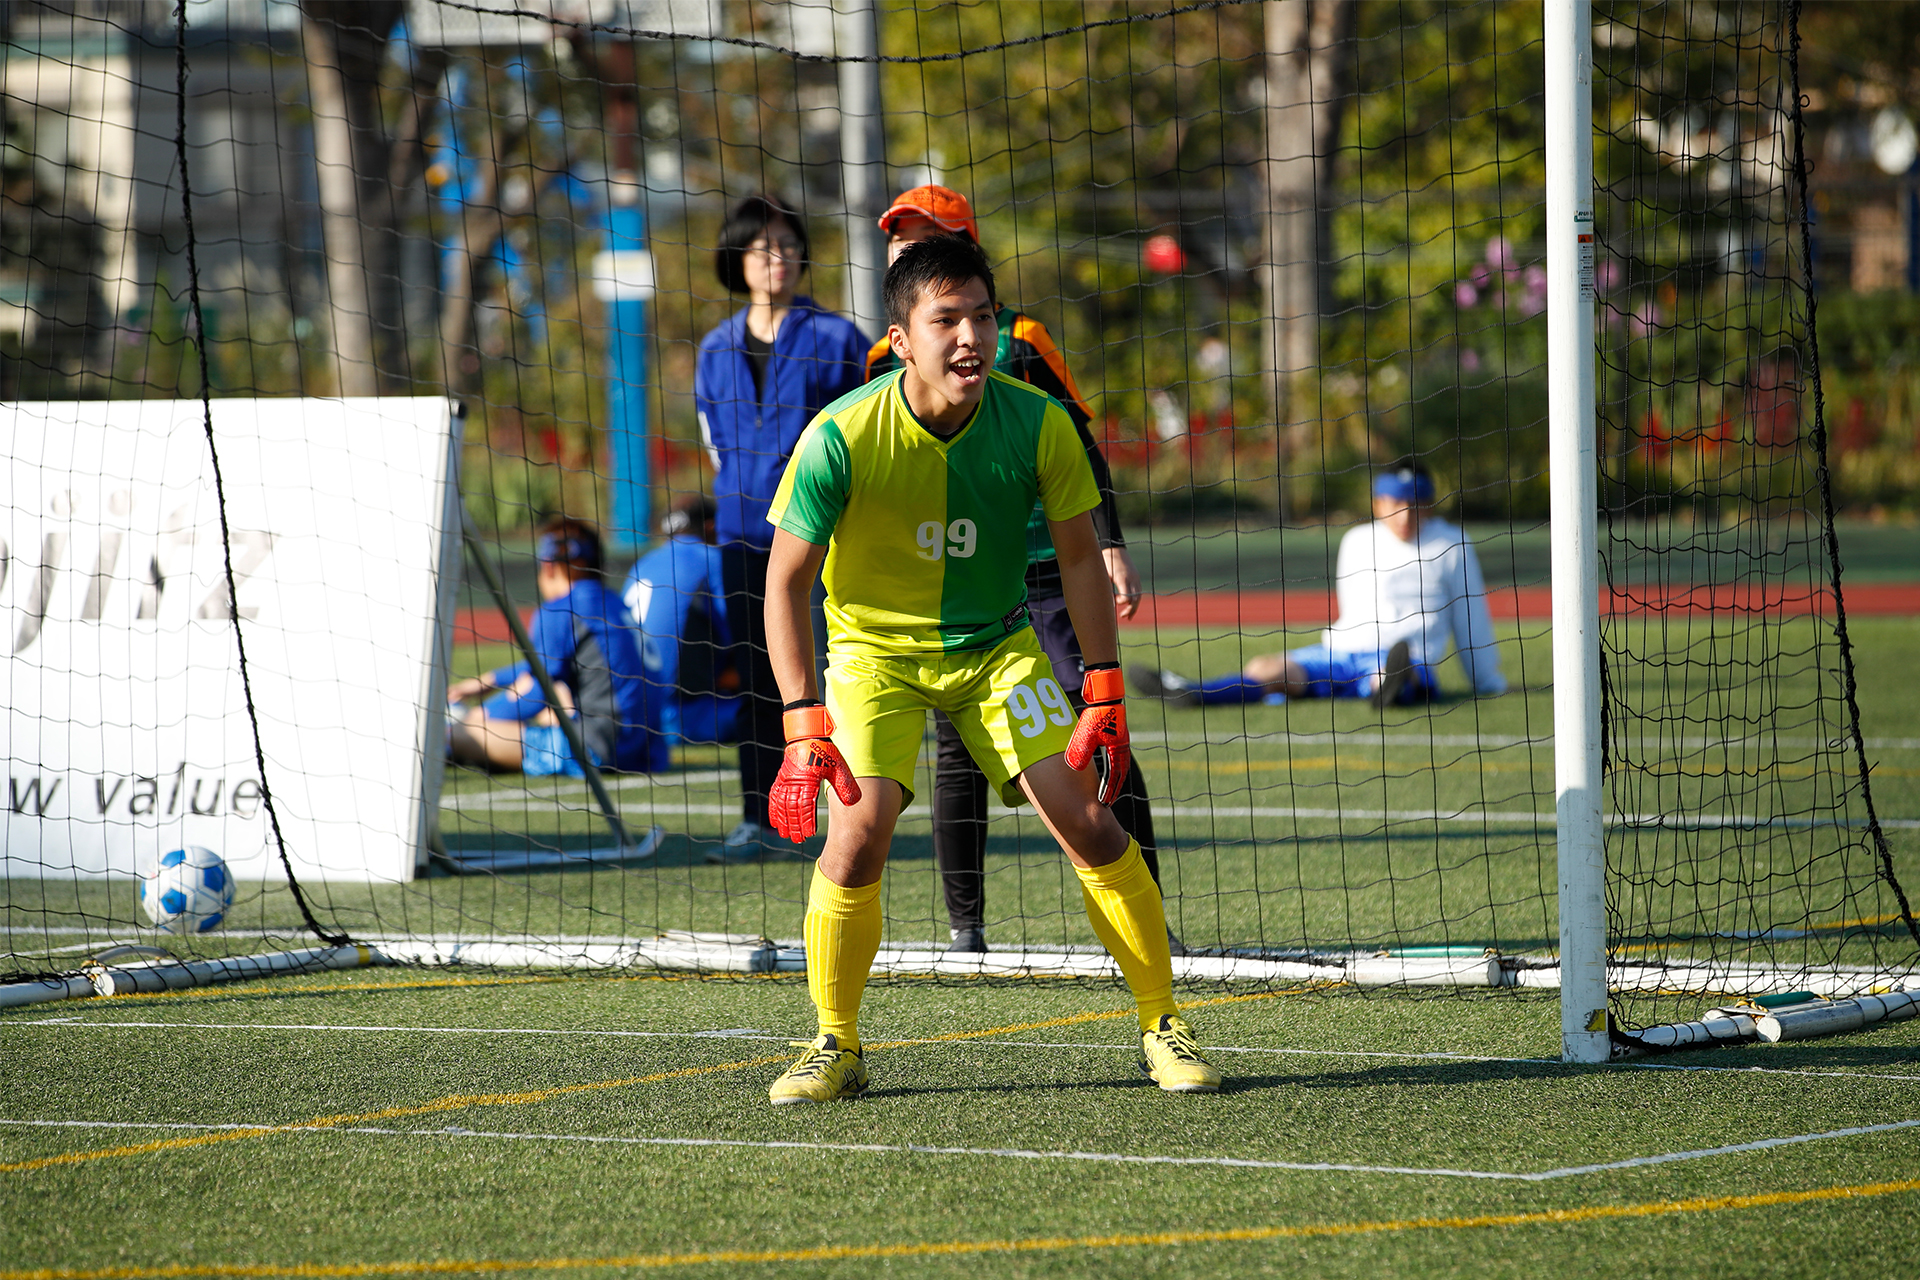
257,251
1745,853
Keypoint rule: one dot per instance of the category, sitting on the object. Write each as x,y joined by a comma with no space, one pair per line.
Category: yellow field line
1819,926
456,1102
1323,764
1075,1019
274,987
952,1248
453,1102
1070,1020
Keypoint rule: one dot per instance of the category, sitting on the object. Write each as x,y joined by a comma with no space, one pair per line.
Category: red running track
1512,604
1531,604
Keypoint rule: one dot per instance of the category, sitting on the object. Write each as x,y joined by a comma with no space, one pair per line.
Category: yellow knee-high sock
1123,904
842,930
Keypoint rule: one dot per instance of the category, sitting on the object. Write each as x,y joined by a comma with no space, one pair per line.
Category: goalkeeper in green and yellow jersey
1027,351
909,497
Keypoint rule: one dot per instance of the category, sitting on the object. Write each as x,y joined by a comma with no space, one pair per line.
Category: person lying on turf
584,638
913,493
1404,583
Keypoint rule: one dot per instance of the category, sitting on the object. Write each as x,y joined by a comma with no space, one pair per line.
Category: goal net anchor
1796,1015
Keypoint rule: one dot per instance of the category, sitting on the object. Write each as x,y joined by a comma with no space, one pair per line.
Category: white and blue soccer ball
189,891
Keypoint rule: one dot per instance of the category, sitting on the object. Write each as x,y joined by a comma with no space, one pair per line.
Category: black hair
747,223
950,260
573,543
691,513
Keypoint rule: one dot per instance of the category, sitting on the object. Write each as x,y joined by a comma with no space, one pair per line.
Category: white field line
74,1023
487,803
630,782
1506,741
1021,1153
1696,822
580,940
731,1033
147,938
1357,737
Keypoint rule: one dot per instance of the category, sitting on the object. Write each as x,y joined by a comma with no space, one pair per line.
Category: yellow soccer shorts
1009,709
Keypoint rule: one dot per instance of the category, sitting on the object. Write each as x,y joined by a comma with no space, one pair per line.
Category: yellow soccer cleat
823,1073
1170,1058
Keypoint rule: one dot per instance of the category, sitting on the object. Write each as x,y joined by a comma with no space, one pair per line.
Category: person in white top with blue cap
1406,583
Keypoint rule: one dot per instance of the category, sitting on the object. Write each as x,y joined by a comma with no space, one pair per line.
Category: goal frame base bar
721,953
180,975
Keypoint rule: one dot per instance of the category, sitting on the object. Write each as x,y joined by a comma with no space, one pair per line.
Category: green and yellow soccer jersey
1027,351
927,538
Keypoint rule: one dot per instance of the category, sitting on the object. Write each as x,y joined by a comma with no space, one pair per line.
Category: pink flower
1534,300
1470,360
1500,253
1606,275
1465,295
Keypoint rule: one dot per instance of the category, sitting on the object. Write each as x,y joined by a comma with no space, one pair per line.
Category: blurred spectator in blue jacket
674,593
760,379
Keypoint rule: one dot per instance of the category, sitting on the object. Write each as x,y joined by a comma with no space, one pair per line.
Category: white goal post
1573,464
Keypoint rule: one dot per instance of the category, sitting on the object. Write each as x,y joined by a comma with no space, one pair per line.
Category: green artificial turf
1458,1084
1324,1079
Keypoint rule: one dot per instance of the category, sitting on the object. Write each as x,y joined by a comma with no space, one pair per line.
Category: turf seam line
1023,1153
953,1248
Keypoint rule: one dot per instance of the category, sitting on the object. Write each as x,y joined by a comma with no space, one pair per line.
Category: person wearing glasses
760,379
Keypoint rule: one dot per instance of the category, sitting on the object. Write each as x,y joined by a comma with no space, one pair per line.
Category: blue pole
1913,237
623,279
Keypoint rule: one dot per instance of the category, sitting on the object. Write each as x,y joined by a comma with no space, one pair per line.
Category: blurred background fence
1267,259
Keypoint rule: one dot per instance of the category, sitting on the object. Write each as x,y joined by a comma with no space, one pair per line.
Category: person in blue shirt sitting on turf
676,598
584,638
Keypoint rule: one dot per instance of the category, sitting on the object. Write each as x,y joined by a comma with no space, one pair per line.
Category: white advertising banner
124,718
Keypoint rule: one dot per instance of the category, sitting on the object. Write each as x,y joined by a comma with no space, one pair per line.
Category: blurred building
92,226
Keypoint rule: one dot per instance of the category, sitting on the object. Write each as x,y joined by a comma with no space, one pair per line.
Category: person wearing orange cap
1025,351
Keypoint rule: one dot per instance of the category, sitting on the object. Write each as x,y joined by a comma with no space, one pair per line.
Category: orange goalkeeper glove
811,759
1103,724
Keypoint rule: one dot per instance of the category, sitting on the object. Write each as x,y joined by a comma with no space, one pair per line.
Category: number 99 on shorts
1030,707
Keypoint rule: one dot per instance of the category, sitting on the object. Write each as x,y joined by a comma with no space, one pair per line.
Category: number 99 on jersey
956,540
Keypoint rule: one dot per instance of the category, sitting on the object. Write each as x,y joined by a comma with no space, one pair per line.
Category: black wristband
1100,666
798,703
